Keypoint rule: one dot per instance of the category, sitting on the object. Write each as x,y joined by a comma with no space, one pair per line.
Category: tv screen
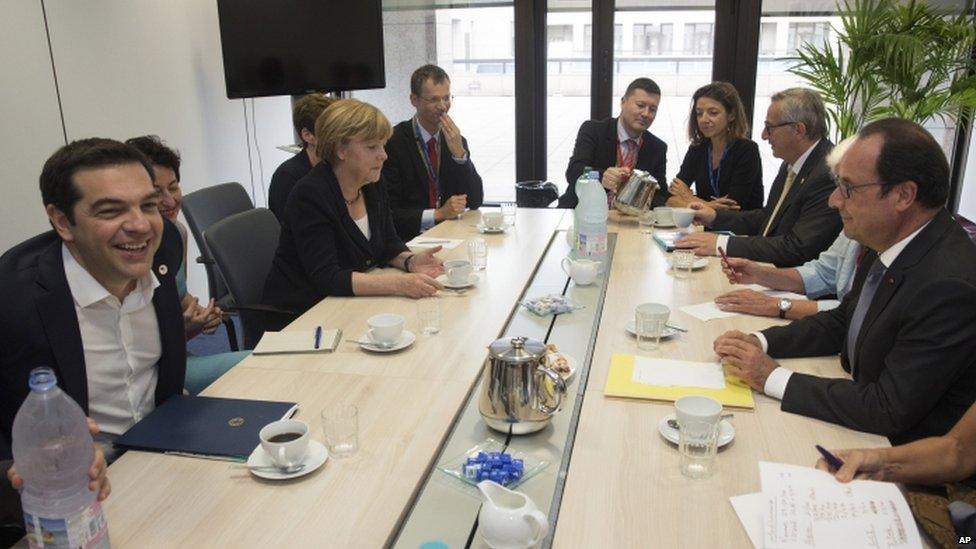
293,47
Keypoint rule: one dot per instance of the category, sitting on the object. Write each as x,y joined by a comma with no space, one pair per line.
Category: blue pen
832,460
318,336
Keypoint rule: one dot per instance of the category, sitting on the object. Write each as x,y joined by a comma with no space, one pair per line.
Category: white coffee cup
682,216
280,443
662,216
385,328
582,271
458,271
697,408
493,220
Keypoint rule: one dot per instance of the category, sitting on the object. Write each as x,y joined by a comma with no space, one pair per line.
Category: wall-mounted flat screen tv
292,47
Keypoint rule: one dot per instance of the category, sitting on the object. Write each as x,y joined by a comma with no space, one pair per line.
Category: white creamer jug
509,519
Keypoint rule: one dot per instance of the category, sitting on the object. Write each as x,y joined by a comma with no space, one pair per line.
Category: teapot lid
517,349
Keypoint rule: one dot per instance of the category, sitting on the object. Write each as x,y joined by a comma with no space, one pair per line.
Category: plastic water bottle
591,221
53,451
571,236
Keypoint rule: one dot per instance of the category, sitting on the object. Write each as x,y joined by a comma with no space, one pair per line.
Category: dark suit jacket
283,181
915,373
804,226
321,246
405,177
39,325
596,147
740,177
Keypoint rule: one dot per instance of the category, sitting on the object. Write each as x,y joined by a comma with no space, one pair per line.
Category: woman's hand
427,263
415,285
196,318
680,189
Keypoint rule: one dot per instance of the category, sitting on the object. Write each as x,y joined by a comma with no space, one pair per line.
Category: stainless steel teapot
636,193
519,392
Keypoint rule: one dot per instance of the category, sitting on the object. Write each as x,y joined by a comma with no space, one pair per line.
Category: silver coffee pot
636,193
519,392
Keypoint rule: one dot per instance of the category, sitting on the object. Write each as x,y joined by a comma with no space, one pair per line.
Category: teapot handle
539,524
560,390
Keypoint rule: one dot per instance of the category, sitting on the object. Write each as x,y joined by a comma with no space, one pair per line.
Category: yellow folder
620,383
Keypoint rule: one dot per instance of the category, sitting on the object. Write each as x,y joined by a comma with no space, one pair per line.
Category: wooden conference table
621,482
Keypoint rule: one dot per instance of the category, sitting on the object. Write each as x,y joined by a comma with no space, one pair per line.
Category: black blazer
320,245
915,373
596,147
804,226
405,178
740,177
39,325
283,181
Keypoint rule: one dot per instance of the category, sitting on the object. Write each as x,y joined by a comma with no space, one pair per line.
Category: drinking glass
509,211
478,253
429,313
340,425
646,221
682,262
697,445
649,321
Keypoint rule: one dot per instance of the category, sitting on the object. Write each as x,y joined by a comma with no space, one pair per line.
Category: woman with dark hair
722,163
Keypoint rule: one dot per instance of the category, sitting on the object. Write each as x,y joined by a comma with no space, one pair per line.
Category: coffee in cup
285,442
385,328
458,271
492,220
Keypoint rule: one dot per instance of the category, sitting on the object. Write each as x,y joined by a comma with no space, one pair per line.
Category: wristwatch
784,306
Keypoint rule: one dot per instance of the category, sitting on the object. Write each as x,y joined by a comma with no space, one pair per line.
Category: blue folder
208,426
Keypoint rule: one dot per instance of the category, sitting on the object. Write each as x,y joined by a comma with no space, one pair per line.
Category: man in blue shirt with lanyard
428,173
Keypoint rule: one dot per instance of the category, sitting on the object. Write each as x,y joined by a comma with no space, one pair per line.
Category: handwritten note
678,373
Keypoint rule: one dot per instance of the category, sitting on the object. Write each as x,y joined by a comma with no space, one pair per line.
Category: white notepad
297,341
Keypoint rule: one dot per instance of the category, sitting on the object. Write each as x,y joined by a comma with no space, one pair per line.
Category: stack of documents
800,507
664,379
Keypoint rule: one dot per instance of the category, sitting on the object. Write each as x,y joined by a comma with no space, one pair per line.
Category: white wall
126,68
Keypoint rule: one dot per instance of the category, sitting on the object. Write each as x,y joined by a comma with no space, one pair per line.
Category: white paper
773,293
749,508
680,373
707,311
431,241
804,507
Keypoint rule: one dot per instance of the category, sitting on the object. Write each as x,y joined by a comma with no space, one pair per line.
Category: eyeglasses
433,100
846,189
770,127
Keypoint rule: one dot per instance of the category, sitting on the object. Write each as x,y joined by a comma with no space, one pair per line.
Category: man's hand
97,476
427,263
704,213
748,301
861,464
416,285
743,357
614,176
452,135
700,243
745,271
452,207
724,203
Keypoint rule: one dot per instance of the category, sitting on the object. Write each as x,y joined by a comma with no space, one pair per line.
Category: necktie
790,176
870,287
432,184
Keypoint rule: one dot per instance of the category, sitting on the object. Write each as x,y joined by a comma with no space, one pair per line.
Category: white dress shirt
427,217
778,379
121,344
723,239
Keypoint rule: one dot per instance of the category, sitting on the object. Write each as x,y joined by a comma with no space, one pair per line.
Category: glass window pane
567,82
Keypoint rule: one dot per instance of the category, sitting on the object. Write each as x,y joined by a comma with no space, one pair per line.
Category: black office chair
535,194
243,246
202,209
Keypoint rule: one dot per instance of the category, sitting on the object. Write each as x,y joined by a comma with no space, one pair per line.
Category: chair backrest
243,246
535,194
205,207
967,226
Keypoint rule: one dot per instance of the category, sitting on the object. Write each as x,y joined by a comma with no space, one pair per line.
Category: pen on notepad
318,336
832,460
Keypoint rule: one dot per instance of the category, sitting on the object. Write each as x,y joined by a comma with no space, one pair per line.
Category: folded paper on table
431,241
678,373
801,507
297,341
621,383
707,311
773,293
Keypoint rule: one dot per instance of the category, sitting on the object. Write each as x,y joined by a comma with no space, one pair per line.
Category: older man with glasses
429,174
907,330
796,224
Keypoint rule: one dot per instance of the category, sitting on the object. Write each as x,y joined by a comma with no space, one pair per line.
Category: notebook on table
206,426
298,341
634,376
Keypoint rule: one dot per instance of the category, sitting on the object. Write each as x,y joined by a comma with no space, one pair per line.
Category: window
653,39
567,86
800,33
698,39
767,38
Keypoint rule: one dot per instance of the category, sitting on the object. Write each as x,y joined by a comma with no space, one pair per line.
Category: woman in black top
337,225
722,164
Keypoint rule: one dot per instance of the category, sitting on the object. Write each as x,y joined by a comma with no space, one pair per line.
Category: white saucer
668,331
406,339
700,263
483,229
472,280
316,456
726,432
